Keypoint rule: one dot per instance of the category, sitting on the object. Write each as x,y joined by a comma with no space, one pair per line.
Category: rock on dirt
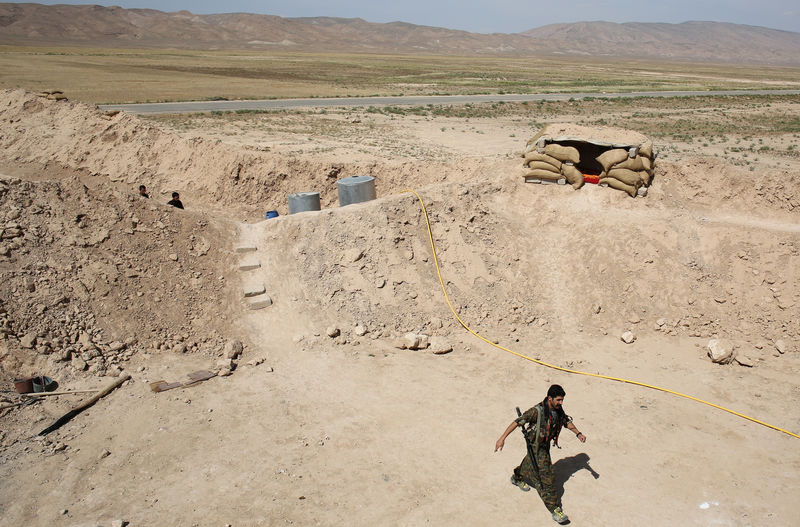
233,349
354,255
440,346
28,341
78,363
720,351
415,341
744,360
225,363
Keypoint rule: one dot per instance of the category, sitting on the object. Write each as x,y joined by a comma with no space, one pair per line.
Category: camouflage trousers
545,482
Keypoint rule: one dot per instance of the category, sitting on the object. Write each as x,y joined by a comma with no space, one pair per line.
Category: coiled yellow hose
567,370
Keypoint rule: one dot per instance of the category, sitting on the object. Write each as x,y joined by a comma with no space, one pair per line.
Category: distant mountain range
91,25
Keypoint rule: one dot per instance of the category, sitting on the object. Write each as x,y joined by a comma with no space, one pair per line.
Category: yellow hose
567,370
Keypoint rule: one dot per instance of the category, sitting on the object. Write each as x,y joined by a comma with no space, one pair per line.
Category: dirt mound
712,183
124,149
595,134
218,176
96,280
554,269
481,238
92,276
371,265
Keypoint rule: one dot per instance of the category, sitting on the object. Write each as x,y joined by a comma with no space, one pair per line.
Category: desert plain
322,418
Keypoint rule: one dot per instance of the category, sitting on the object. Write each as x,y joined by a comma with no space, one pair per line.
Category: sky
497,16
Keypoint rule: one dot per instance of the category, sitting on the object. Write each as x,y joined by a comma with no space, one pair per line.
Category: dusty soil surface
313,429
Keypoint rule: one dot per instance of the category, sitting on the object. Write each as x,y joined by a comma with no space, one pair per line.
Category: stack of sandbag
53,95
552,163
630,170
613,157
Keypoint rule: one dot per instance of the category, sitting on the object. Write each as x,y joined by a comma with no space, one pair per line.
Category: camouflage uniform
551,425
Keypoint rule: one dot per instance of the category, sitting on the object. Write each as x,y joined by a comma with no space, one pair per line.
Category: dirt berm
352,429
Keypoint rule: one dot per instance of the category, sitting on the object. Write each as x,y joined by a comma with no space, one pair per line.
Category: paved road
223,106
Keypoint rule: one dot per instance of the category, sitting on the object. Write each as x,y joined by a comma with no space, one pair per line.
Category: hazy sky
498,16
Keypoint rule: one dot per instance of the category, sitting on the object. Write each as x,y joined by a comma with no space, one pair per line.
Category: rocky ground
356,397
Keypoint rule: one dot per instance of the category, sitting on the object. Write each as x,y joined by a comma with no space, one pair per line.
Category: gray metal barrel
356,189
303,202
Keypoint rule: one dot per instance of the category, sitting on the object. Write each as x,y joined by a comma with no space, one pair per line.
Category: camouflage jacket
549,428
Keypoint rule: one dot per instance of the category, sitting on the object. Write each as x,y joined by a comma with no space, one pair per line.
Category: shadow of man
565,468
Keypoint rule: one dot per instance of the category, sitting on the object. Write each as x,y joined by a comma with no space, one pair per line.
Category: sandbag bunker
567,153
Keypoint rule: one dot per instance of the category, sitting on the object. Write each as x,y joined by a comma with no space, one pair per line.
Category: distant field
119,76
748,131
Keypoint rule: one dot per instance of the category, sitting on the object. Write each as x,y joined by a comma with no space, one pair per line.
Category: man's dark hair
142,187
175,195
556,391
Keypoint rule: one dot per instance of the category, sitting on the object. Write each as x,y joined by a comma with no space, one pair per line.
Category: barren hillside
325,427
36,24
701,41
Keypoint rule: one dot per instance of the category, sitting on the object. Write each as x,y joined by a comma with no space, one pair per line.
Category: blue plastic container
271,214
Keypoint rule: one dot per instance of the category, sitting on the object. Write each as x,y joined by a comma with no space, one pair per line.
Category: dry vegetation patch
747,131
119,75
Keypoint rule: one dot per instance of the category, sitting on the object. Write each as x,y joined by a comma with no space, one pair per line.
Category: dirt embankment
590,257
92,276
96,280
597,263
124,149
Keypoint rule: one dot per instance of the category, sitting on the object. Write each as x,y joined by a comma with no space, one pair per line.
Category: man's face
556,402
142,190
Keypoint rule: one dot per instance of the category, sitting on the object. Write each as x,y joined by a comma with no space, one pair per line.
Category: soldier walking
545,421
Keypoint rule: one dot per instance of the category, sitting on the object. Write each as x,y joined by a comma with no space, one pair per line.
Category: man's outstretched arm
502,441
579,435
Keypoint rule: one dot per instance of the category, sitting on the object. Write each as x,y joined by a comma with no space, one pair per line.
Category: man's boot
559,516
520,483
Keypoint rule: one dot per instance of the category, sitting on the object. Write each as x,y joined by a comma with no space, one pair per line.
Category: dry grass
124,75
